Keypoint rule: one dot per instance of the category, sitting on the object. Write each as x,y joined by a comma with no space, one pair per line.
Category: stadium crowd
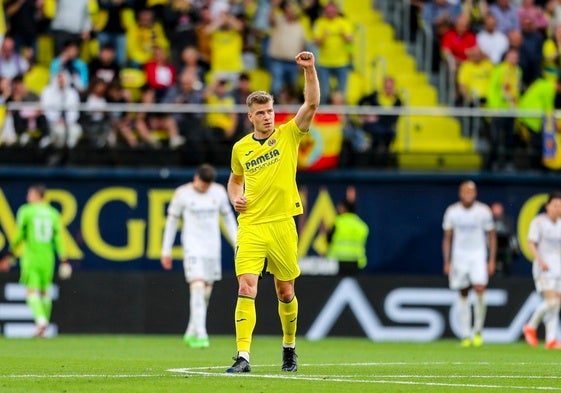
104,52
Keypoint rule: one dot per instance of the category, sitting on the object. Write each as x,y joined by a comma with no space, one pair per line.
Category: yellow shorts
276,241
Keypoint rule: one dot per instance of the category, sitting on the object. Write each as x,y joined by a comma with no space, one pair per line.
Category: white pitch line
198,371
83,375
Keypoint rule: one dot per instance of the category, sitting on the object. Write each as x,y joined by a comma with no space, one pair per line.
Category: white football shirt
547,235
469,226
200,235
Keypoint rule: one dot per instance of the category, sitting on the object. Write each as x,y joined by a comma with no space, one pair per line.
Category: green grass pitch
112,363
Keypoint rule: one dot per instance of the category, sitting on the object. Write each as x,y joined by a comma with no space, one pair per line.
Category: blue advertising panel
115,219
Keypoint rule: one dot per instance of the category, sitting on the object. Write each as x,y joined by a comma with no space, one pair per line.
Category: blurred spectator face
7,47
244,84
337,98
389,86
527,24
503,3
331,11
490,23
515,38
107,55
187,81
99,88
159,54
497,209
527,3
145,18
462,24
221,88
511,57
72,51
474,54
62,79
190,55
291,10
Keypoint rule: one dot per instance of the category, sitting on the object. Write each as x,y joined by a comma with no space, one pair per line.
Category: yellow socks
288,313
245,322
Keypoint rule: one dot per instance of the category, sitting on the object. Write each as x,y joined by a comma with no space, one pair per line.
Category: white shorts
201,268
547,283
464,275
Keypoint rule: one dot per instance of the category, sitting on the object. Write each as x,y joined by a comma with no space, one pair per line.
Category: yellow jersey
269,170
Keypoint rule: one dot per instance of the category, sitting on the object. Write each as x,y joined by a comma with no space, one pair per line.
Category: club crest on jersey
272,142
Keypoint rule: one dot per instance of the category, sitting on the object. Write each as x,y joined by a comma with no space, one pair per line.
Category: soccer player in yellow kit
262,188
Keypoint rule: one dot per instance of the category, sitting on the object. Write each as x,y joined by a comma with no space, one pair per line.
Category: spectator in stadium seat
381,128
551,51
203,36
222,125
30,124
142,36
190,61
474,75
531,52
528,9
146,123
456,41
113,32
26,19
69,62
539,96
493,43
122,122
95,121
105,65
287,38
180,19
506,15
240,92
504,93
71,22
160,73
226,46
61,102
192,125
11,62
333,35
477,11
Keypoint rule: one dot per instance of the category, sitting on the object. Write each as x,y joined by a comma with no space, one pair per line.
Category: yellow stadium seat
132,79
36,79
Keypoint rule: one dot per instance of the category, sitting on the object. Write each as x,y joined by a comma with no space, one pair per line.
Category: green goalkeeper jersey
39,228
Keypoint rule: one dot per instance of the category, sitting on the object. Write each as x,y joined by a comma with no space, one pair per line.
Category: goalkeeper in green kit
39,228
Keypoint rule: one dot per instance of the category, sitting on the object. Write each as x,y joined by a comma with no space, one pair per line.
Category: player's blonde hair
259,97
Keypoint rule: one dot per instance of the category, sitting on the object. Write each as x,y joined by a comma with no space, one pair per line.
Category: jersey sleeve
236,166
447,223
21,223
57,236
488,223
534,231
175,207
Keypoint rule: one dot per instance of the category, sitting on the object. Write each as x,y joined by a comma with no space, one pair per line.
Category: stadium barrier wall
114,219
381,308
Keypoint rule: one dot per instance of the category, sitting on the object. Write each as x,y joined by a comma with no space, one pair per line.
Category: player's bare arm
308,109
492,235
235,193
446,246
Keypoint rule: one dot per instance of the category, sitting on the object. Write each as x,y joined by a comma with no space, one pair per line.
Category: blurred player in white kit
544,241
200,204
469,248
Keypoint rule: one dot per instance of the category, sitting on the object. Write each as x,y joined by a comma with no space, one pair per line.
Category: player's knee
285,293
197,284
553,302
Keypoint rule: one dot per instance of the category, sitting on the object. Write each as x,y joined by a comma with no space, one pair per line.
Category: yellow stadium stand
422,142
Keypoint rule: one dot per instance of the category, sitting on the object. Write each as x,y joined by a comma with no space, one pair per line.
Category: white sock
538,314
464,311
244,355
551,324
198,309
480,311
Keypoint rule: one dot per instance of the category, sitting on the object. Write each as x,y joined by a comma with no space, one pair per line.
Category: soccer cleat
465,343
530,335
199,342
187,339
553,344
477,340
241,365
289,360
